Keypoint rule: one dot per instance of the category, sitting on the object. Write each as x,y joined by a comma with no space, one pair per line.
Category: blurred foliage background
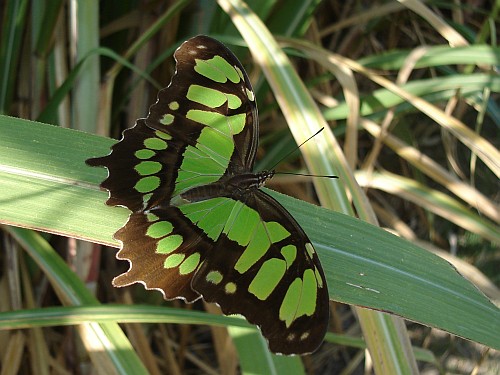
409,90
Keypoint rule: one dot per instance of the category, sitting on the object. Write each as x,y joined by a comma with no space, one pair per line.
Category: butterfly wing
212,98
203,126
264,267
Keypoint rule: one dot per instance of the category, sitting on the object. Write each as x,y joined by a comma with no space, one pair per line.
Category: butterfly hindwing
164,251
264,267
200,227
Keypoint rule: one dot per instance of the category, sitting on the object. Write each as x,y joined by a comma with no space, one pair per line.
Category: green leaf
45,184
436,56
433,90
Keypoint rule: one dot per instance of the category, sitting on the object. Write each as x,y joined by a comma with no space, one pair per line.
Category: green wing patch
200,226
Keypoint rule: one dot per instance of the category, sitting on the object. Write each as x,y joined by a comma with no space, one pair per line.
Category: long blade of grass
435,89
14,19
46,184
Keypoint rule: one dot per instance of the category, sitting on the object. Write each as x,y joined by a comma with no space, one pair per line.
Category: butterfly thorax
235,186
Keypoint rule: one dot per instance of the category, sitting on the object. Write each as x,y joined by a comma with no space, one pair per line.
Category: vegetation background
409,90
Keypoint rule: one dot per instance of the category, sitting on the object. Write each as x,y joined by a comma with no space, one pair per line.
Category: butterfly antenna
295,149
308,175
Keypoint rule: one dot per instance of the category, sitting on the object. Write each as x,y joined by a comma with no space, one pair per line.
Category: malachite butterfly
200,226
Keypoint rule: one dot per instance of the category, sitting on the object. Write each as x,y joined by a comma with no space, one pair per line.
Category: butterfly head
263,176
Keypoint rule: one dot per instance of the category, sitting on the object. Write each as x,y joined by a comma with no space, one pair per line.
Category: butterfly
200,226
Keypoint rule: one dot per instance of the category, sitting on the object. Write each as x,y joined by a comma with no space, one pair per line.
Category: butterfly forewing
140,168
196,228
211,88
